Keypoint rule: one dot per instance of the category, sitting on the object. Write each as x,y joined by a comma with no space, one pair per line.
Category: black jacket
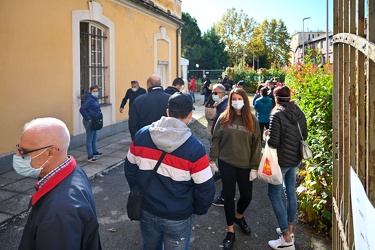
148,108
284,133
171,90
131,95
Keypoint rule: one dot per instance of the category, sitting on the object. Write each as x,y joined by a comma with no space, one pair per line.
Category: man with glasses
63,214
221,103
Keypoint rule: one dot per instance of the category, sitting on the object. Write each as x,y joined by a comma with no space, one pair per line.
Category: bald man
150,107
63,214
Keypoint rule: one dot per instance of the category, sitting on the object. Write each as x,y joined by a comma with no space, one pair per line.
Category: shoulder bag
97,122
135,199
304,148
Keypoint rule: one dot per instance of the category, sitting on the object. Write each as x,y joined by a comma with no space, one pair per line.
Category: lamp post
197,65
303,38
327,36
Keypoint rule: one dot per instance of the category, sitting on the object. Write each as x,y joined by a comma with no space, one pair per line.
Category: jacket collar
54,181
153,88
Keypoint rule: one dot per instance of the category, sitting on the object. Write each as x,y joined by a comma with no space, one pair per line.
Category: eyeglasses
23,152
215,93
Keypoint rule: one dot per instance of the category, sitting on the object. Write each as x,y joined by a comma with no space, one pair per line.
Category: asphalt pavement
110,191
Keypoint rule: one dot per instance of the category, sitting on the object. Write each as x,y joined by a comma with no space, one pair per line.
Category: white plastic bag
269,169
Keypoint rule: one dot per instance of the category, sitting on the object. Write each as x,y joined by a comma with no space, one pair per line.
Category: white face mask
134,89
237,105
23,167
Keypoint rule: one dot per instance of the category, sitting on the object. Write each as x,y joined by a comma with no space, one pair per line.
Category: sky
291,12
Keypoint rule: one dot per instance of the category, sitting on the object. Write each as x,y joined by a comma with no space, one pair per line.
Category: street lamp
303,38
197,65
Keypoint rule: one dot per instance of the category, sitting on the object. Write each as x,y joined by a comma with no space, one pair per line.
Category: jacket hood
169,133
289,109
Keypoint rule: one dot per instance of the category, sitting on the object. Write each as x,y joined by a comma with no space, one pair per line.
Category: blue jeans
192,94
285,214
90,139
173,234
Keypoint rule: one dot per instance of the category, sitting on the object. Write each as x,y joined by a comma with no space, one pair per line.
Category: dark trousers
262,125
230,176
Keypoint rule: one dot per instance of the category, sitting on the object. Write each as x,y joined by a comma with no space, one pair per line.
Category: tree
190,35
214,54
272,39
207,51
235,30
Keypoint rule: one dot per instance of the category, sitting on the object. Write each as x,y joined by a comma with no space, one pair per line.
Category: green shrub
311,87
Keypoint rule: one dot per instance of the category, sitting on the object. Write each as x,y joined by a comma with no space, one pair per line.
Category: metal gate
353,111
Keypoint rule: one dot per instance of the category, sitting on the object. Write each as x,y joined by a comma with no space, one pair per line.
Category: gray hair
220,86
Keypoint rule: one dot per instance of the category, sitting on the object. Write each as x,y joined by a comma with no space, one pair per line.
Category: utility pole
303,38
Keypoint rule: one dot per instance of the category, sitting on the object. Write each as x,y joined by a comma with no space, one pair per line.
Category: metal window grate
92,52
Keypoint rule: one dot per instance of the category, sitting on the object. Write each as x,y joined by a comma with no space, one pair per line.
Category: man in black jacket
149,107
176,86
131,94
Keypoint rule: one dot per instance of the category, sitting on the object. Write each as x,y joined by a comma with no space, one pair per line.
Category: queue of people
183,186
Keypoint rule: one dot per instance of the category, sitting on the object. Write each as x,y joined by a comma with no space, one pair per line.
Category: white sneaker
278,231
281,244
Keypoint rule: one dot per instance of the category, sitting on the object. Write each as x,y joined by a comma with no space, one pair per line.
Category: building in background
52,51
312,40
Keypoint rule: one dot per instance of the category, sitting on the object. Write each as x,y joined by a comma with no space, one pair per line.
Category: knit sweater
235,145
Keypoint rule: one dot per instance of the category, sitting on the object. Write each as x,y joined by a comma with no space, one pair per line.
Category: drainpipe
177,54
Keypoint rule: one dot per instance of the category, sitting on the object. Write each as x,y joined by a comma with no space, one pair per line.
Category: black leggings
230,176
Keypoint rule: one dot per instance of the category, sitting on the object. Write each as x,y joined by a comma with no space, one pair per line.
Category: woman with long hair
236,143
284,135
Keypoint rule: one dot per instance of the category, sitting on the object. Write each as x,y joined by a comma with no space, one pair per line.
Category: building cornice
150,8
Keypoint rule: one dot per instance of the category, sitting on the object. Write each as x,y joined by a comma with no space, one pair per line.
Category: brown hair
264,91
94,87
229,114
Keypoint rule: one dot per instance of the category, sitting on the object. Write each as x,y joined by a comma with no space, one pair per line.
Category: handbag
135,199
304,147
269,169
97,122
210,113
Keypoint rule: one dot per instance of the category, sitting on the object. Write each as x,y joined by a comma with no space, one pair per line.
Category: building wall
39,69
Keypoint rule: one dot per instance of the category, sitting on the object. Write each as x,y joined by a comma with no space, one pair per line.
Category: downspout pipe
178,31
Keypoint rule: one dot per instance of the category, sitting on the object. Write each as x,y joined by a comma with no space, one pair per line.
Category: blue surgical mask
23,167
215,98
237,105
95,94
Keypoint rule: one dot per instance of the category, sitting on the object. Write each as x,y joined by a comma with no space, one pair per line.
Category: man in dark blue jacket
63,214
131,94
149,107
183,185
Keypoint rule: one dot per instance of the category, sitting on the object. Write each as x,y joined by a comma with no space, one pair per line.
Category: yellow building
52,51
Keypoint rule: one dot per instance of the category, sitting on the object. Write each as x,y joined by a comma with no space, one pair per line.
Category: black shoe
97,153
243,225
229,240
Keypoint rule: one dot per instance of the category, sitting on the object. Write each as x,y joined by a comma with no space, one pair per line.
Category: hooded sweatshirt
183,184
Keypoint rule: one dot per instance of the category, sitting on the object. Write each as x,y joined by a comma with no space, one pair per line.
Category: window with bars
92,55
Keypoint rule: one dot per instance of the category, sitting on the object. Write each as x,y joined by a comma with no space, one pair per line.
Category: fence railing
353,111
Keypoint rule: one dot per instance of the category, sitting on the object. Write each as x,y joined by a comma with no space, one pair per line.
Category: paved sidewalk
16,191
